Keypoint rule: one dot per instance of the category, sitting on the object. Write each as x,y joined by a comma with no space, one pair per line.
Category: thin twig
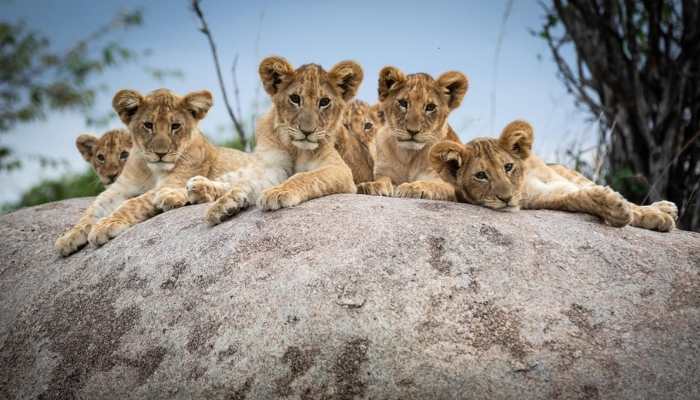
205,30
668,165
236,90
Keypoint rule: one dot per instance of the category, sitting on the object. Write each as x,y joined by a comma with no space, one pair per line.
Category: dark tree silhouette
636,65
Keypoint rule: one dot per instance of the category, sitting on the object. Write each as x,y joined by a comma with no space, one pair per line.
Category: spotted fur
295,153
168,149
107,154
356,139
503,174
415,109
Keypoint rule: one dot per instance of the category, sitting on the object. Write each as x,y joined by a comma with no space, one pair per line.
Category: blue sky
431,37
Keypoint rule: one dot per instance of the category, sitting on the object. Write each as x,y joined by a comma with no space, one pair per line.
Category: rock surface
350,297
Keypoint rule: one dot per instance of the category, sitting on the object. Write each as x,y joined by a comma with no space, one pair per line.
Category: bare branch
204,28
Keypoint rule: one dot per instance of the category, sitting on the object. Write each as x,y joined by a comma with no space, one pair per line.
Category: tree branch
204,28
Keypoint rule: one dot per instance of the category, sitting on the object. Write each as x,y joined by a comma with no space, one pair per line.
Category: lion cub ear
447,157
126,103
389,78
454,85
517,138
86,146
198,103
346,76
274,72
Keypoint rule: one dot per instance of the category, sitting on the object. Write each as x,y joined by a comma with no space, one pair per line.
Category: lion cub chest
305,162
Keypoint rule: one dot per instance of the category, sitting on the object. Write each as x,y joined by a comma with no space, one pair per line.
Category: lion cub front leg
229,204
660,216
204,190
596,200
303,186
131,212
382,186
74,239
431,190
168,198
77,237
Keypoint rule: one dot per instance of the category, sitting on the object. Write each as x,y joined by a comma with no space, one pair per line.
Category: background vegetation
632,66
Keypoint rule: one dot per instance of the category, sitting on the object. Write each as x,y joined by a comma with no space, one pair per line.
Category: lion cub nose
160,155
505,199
305,132
412,132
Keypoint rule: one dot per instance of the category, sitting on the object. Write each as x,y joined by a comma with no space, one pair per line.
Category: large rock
350,297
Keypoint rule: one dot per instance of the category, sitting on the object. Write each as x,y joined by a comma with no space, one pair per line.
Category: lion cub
504,174
107,154
415,109
168,149
355,141
295,155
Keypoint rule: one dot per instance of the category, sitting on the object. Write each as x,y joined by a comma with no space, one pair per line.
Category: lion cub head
416,106
161,122
309,101
106,154
488,172
362,120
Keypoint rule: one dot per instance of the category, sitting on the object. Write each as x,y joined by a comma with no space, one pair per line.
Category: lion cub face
362,120
309,101
488,172
416,106
161,122
106,154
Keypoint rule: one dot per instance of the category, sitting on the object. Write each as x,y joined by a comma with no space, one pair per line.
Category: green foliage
232,144
65,187
625,180
35,79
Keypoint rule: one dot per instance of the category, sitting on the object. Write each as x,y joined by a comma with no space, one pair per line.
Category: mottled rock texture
350,297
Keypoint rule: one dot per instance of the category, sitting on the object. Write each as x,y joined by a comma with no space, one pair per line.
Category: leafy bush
65,187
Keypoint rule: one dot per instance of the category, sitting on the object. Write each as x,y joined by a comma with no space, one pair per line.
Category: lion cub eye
124,155
508,167
430,107
368,126
100,158
295,99
148,125
324,102
481,175
175,126
403,104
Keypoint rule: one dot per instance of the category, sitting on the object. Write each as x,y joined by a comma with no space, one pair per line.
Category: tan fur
356,139
295,155
415,110
168,149
107,154
504,174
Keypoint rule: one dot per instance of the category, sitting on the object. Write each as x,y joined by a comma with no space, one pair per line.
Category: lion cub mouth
410,144
304,144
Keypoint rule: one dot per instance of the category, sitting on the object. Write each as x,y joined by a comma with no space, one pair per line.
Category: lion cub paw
275,198
105,230
667,207
416,190
652,217
227,206
610,205
169,198
72,240
200,190
376,188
